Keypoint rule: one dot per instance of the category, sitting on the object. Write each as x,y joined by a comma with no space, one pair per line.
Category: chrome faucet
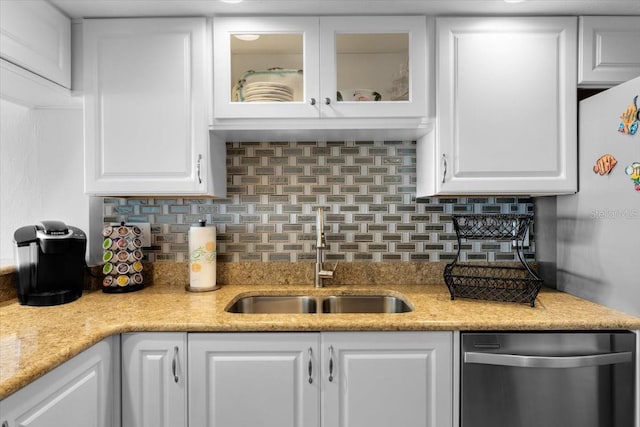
321,245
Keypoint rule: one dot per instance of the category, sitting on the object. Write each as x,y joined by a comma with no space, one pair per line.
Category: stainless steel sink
274,304
364,304
301,304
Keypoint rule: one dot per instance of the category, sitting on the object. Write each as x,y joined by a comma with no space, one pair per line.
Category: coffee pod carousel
122,257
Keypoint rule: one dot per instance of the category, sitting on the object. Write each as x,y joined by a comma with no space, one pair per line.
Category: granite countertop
34,340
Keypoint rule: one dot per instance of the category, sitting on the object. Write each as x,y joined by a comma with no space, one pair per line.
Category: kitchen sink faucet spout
321,246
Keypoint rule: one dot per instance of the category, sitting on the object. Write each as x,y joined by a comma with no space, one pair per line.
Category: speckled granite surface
34,340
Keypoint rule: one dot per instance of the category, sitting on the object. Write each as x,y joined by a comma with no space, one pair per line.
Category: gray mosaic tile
367,189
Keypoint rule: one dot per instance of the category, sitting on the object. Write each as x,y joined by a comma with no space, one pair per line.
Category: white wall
41,170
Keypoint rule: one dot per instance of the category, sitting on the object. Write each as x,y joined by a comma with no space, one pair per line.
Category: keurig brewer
50,259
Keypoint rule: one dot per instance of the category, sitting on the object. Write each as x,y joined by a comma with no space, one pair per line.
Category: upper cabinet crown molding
506,102
609,50
319,57
35,47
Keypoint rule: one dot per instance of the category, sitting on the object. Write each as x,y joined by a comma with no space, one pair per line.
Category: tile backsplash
366,187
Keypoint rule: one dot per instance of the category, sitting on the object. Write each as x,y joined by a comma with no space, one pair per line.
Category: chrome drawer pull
310,366
174,364
330,363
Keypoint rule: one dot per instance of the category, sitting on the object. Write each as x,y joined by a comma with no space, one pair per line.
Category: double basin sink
308,304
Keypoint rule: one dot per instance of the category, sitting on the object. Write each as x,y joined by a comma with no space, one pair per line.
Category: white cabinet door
154,379
79,393
290,44
361,57
357,379
146,85
387,379
385,55
506,108
37,37
609,50
253,379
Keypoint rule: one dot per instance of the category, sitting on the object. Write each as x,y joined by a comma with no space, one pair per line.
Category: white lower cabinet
82,392
381,379
154,379
254,379
332,379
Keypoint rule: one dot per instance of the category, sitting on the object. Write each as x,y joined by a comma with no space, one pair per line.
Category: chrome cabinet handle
310,366
444,169
547,361
312,101
327,101
330,363
198,168
174,363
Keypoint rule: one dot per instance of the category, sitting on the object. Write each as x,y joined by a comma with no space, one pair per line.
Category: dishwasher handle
547,361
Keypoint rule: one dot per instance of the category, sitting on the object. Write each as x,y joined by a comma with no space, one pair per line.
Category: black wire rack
492,282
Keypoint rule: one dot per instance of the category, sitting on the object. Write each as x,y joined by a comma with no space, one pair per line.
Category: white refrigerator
597,230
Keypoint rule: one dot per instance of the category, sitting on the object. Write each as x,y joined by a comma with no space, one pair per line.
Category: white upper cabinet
146,86
317,69
35,55
373,67
506,108
609,50
285,53
36,36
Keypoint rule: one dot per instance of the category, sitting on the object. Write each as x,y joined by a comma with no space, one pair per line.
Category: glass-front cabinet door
309,67
373,66
265,67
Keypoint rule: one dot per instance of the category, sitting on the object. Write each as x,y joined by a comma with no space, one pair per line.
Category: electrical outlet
146,232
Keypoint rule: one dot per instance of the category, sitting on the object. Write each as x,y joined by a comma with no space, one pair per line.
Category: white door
376,64
37,36
154,380
506,106
257,56
609,52
146,86
384,379
253,379
79,393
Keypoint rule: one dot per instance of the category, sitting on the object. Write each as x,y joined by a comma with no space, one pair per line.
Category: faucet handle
328,274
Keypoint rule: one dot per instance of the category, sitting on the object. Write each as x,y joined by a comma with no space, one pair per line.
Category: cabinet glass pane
267,67
372,67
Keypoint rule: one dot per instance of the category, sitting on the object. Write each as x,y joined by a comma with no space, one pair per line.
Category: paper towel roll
202,258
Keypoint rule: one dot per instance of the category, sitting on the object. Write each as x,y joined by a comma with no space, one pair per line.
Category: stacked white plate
267,92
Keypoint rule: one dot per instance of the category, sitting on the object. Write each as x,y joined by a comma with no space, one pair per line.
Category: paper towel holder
202,258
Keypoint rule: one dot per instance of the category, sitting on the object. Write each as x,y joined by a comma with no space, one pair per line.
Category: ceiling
138,8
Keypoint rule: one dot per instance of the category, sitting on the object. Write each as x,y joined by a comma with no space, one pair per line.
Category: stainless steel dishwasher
577,379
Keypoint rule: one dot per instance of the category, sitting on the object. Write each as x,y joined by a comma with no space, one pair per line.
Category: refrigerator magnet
629,123
605,164
633,170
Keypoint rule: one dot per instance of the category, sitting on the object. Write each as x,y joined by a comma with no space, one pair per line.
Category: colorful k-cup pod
122,280
107,268
107,256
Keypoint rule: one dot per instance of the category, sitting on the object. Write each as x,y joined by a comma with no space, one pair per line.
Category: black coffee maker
50,260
